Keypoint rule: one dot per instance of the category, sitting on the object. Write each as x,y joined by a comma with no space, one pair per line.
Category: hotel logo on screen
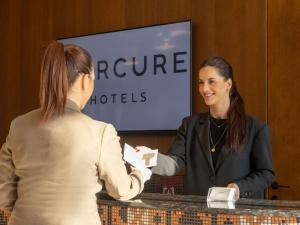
142,76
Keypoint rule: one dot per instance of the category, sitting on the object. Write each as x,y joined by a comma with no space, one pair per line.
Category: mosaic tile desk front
159,209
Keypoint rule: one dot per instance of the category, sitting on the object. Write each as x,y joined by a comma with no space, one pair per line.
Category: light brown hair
61,66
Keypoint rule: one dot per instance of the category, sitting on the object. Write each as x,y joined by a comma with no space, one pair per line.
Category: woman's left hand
237,190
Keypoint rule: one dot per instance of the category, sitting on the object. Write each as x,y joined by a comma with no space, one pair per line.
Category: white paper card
141,159
221,194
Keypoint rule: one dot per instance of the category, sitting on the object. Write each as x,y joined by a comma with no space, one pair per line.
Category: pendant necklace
213,149
214,123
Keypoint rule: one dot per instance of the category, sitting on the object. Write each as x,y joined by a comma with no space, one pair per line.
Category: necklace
213,149
214,123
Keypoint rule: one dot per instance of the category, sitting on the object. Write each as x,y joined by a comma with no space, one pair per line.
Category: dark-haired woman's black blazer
251,168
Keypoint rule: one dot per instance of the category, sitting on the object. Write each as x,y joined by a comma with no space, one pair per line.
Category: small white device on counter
221,197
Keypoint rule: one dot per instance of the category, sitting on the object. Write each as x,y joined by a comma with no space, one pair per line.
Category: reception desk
158,209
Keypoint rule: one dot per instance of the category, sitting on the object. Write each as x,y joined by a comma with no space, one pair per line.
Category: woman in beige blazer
55,159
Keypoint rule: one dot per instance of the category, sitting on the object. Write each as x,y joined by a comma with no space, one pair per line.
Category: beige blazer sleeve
8,179
112,170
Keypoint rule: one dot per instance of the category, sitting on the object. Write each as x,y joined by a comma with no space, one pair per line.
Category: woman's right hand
145,172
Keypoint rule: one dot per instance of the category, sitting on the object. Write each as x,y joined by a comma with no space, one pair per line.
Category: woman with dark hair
223,147
55,159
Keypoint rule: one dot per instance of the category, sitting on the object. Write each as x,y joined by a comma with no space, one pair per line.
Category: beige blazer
50,172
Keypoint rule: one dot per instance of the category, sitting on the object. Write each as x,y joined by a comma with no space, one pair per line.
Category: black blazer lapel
225,151
202,129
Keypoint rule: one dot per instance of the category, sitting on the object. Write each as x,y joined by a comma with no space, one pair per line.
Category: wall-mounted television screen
142,76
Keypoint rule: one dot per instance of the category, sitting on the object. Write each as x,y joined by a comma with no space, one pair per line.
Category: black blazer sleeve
179,146
175,161
262,173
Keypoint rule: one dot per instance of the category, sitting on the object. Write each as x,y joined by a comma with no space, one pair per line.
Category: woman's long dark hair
237,120
60,68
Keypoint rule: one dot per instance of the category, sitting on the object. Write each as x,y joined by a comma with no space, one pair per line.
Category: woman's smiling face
213,87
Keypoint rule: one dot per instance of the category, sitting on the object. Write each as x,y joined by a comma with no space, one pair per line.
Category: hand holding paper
141,159
145,157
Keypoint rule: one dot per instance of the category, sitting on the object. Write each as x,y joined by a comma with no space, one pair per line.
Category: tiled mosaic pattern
139,216
112,215
4,217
